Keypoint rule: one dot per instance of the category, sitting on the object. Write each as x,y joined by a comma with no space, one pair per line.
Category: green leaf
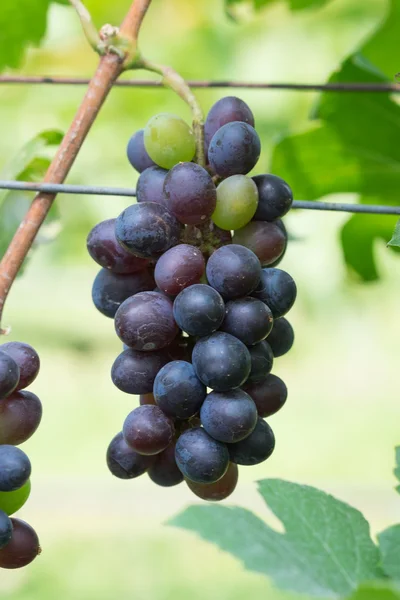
349,150
389,544
377,590
381,47
22,24
326,550
293,4
395,239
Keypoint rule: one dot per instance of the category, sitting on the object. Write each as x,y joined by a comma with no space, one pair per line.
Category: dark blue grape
277,289
134,372
221,361
5,529
256,448
275,197
147,229
262,360
234,271
9,374
234,149
15,468
150,186
221,489
23,547
146,322
225,111
27,360
248,319
20,416
281,337
269,395
199,310
164,470
124,462
147,430
137,153
110,290
178,391
228,416
190,193
104,248
201,458
178,268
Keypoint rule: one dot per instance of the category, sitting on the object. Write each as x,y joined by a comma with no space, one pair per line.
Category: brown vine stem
110,67
173,80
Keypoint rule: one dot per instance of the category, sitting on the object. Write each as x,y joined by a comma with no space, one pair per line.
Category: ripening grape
262,360
134,372
234,149
190,193
281,337
275,197
237,200
22,548
15,468
234,271
110,290
178,391
11,502
137,154
147,229
269,395
124,462
199,310
256,448
164,470
201,458
219,490
225,111
282,227
169,140
9,374
277,289
248,319
178,268
146,322
5,529
150,185
229,416
20,416
266,240
221,361
104,248
148,430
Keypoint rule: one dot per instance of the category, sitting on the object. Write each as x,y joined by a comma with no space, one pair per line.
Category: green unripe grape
10,502
169,140
237,200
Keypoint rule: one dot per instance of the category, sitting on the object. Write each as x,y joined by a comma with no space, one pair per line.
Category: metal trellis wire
62,188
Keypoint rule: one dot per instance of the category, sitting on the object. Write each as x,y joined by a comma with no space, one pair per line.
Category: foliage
30,164
325,551
22,24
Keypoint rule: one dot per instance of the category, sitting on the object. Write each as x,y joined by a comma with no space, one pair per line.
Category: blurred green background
104,538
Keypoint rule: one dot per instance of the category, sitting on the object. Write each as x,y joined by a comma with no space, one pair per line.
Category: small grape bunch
189,274
20,416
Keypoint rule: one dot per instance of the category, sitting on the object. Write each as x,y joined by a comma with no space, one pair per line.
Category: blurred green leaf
389,544
326,550
376,590
349,150
22,24
293,4
381,47
395,240
29,164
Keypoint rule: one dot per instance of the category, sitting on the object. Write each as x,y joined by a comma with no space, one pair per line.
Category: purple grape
281,338
234,271
229,416
266,240
199,310
137,153
262,360
275,197
269,395
134,372
9,374
201,458
27,360
277,290
150,186
111,290
225,111
125,463
147,430
20,416
256,448
164,470
248,319
178,268
22,548
219,490
178,391
234,149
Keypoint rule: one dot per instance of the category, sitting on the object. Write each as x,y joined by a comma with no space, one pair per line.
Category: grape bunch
20,416
189,274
